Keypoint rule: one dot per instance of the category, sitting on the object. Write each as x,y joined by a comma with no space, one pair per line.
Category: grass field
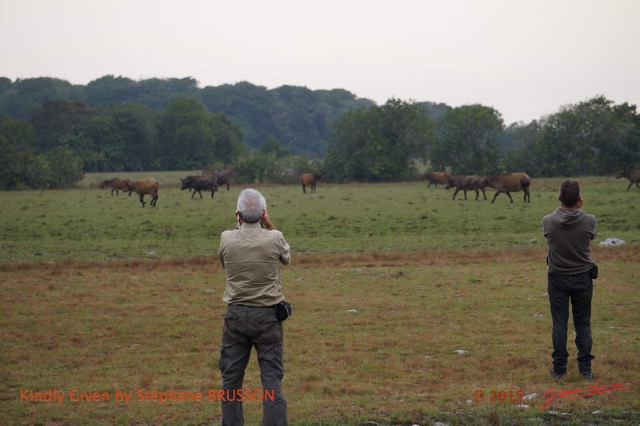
388,281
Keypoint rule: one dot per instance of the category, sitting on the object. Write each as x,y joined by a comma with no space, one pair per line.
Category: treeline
51,132
400,140
297,117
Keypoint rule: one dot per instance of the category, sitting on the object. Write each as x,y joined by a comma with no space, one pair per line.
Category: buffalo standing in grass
436,178
633,175
309,179
200,183
510,182
222,178
116,184
467,183
145,186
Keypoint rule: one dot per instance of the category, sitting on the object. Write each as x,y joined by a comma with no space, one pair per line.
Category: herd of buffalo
504,183
211,180
208,181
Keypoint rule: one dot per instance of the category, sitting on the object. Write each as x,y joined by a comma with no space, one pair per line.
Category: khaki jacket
251,257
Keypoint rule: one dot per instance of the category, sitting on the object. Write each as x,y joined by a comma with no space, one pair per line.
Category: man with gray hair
251,255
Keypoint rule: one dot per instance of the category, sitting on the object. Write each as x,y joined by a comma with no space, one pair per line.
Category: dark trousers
244,328
579,290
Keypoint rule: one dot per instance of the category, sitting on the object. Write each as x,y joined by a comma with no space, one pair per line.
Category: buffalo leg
304,189
494,197
142,199
509,195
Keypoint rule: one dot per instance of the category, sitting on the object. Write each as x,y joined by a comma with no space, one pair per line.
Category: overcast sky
525,58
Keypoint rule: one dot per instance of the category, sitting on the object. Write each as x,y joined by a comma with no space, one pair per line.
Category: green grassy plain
388,281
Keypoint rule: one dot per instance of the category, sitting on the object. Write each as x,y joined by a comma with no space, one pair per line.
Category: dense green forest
51,132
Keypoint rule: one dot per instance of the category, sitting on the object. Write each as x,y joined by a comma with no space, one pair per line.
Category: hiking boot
588,375
557,375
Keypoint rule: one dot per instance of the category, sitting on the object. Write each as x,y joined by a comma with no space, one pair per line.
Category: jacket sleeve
221,251
285,250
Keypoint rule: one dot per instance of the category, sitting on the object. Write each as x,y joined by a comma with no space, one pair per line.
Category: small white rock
461,352
530,396
612,242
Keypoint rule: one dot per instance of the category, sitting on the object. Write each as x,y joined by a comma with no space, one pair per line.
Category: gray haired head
251,204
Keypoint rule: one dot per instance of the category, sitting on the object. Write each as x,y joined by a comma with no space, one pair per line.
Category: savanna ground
388,281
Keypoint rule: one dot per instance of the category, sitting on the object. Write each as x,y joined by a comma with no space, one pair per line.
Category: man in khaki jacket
251,255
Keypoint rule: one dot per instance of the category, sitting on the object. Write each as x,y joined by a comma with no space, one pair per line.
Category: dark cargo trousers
579,290
244,328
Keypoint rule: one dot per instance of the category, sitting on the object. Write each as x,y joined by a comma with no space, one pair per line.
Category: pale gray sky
525,58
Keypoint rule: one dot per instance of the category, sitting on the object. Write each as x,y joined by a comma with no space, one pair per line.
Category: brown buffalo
222,177
510,182
145,186
309,179
633,175
116,184
436,178
467,183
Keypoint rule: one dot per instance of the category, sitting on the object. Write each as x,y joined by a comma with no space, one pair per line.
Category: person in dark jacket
570,270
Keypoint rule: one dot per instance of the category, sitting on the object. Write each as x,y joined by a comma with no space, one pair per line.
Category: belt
249,306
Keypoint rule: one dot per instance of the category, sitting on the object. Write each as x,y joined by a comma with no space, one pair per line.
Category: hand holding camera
266,220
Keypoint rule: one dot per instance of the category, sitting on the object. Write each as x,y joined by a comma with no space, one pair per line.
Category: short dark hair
569,193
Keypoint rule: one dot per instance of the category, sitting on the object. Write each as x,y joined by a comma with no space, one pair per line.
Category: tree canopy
467,140
52,131
378,143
